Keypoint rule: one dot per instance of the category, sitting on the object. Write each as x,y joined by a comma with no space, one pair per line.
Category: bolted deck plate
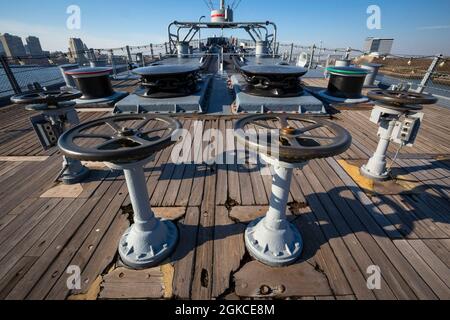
256,280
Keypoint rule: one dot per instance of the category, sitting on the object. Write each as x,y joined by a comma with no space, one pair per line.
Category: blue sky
419,27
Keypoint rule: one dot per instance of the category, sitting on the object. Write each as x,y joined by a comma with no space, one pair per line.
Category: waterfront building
12,45
34,46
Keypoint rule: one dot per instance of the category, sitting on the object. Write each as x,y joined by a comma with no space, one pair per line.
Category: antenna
209,4
235,4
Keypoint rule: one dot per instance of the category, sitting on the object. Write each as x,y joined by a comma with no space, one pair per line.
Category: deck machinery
399,117
273,88
128,142
167,88
56,113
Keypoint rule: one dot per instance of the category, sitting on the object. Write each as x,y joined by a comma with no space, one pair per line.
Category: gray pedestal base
75,172
141,250
273,247
371,175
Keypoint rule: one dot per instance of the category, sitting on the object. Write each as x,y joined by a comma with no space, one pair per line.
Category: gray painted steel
373,69
195,103
305,104
149,241
273,240
68,79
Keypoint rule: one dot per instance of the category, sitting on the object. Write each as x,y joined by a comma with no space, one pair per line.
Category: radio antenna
208,4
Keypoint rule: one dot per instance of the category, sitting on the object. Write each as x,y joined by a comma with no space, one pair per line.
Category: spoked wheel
119,139
52,97
401,99
299,138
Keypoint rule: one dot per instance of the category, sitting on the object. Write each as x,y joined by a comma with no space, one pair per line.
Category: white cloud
433,27
53,38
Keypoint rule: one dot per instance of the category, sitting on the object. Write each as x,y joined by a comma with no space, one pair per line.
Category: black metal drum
273,81
346,82
94,83
168,81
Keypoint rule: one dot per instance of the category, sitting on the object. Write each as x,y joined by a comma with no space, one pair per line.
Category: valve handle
119,139
402,99
300,138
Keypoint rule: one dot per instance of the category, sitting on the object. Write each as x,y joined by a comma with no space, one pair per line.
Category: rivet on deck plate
265,290
281,288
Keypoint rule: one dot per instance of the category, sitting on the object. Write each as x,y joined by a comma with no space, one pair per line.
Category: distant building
34,46
77,50
12,45
378,46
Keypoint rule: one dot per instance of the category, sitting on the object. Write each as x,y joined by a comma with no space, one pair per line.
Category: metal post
429,74
319,57
149,241
273,240
313,49
347,53
113,63
130,59
93,56
151,50
376,167
281,187
292,52
199,33
12,80
144,218
165,45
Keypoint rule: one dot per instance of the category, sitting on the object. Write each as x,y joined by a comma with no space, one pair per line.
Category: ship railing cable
404,69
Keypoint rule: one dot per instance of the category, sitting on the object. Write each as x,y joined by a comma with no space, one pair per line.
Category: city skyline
417,30
14,46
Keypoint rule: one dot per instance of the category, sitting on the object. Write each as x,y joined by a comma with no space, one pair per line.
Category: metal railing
419,73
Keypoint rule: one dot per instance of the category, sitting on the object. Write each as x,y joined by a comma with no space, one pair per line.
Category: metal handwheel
390,107
127,143
402,99
57,112
298,139
272,239
119,139
51,98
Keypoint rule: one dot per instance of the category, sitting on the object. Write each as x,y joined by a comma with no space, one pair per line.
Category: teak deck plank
345,230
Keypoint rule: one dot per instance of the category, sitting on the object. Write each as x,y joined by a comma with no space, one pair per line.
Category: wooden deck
404,230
